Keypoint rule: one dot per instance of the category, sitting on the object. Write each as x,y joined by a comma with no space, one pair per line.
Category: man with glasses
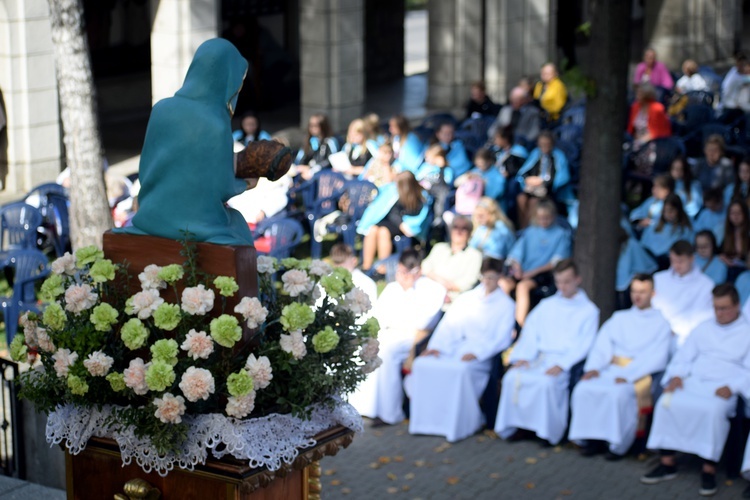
448,378
700,391
455,264
404,310
558,334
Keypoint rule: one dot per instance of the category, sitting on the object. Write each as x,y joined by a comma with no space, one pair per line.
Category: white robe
444,390
694,419
603,409
558,332
401,313
685,301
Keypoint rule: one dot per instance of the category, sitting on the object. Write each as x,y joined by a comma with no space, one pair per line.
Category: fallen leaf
490,434
447,461
384,460
542,454
335,482
409,476
530,486
346,491
566,492
400,433
398,458
377,433
509,459
531,460
374,465
330,472
481,439
495,475
729,482
392,476
642,457
392,490
453,480
557,449
419,463
405,487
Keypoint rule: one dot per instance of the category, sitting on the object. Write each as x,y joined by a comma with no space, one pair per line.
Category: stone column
455,51
29,89
496,55
530,34
332,60
703,30
178,28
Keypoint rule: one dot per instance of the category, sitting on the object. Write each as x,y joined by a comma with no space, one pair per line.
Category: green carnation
159,376
52,287
296,316
134,334
77,385
18,348
345,276
87,255
226,285
54,317
333,286
292,263
171,273
371,328
225,330
117,381
165,350
239,384
102,271
103,317
167,316
325,340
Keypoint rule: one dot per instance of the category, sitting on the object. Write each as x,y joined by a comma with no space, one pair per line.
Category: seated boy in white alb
404,310
631,346
700,391
448,378
557,335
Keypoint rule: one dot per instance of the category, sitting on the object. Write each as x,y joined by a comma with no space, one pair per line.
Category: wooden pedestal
97,473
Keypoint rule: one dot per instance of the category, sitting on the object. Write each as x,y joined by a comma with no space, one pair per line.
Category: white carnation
252,311
64,265
294,344
98,364
260,370
266,264
320,268
149,278
197,300
296,282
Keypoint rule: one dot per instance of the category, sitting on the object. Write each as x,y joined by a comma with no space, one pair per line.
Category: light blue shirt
659,242
633,260
714,269
539,246
496,244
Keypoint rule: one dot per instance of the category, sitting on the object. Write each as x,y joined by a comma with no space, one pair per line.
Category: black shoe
377,422
593,448
708,484
520,435
613,457
660,473
746,493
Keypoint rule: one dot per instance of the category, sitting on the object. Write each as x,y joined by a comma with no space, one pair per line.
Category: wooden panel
238,262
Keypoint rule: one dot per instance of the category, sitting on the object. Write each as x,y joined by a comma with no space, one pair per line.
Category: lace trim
263,442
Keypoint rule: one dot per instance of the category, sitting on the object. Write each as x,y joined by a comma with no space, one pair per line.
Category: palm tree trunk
89,212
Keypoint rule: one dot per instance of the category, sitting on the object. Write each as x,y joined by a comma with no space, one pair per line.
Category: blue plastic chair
360,194
37,197
56,223
478,126
28,266
435,120
574,115
285,235
570,132
18,226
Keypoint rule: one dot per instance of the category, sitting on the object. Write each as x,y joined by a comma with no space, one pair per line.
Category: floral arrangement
173,350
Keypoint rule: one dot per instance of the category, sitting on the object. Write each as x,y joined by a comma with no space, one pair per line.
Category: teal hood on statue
187,163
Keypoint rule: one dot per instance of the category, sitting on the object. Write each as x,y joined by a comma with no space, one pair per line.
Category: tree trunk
597,247
89,209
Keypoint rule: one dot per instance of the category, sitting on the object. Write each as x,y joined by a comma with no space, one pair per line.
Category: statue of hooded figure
187,163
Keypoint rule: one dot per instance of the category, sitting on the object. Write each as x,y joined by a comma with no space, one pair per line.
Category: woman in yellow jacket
551,92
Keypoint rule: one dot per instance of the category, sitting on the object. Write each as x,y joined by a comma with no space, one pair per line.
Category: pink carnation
64,359
357,301
296,282
169,408
197,383
149,278
242,406
252,311
260,370
144,303
197,300
372,366
44,340
370,350
78,298
64,265
198,345
98,363
135,376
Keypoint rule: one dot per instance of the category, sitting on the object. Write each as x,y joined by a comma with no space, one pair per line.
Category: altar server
683,292
631,345
700,391
448,379
404,310
557,335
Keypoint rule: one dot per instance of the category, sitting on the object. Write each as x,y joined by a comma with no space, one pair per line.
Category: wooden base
97,472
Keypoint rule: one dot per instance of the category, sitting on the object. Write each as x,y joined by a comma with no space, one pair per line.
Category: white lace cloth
263,442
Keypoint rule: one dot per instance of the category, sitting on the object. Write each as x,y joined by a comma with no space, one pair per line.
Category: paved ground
15,489
389,463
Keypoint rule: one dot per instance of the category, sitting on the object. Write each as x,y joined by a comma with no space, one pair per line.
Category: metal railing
11,435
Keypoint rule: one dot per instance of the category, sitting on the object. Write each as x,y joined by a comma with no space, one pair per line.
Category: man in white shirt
683,292
700,391
630,346
557,335
404,310
448,379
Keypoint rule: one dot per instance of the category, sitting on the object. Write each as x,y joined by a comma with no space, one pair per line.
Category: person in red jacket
648,119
